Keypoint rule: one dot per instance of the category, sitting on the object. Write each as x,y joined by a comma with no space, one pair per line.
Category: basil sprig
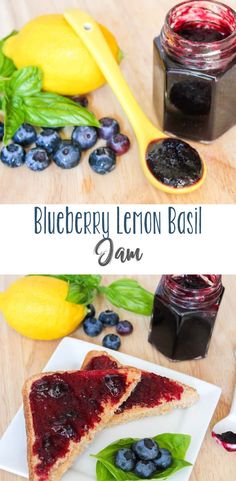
23,101
124,293
177,444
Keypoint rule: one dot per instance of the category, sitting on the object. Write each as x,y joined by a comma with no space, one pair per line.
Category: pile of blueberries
93,327
145,458
37,150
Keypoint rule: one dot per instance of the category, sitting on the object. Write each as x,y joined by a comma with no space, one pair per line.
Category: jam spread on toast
150,392
66,406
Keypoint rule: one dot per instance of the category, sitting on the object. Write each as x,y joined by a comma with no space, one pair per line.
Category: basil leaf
177,444
13,115
26,81
129,295
52,110
7,66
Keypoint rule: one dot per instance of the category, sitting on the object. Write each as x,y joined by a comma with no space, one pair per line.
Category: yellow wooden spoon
89,32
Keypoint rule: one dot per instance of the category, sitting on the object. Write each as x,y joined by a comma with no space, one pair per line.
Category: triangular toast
64,411
153,395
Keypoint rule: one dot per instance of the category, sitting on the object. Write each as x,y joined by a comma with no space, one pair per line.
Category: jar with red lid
184,314
195,70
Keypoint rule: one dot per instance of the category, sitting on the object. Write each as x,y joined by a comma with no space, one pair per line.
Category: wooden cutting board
21,358
135,23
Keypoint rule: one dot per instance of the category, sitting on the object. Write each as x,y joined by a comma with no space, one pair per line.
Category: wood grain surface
135,23
21,357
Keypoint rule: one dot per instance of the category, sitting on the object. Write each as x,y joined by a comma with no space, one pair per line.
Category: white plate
69,355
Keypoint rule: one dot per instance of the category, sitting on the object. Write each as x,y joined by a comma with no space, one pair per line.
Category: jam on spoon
174,162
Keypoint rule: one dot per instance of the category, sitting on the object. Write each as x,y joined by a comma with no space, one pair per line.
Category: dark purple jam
65,406
197,32
195,70
184,314
174,162
227,440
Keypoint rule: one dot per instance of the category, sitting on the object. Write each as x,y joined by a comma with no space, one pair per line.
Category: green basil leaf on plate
176,443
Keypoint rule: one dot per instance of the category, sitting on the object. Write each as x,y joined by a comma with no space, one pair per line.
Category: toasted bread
155,403
42,411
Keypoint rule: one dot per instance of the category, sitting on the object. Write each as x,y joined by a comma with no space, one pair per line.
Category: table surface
135,24
21,357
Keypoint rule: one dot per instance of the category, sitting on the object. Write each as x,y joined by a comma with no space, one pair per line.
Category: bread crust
189,397
63,464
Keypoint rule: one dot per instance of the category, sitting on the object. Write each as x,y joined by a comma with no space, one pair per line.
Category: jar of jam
195,70
184,314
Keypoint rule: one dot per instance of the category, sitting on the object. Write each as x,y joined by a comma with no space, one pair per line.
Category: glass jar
195,70
184,314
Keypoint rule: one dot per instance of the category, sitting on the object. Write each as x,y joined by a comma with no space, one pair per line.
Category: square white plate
68,356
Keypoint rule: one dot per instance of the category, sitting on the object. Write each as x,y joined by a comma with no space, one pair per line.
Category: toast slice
64,411
153,395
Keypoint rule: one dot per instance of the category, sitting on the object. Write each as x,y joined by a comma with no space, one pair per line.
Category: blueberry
125,459
85,136
48,140
1,131
102,160
111,341
25,135
164,460
67,154
146,449
144,469
58,389
119,143
92,326
109,127
80,99
67,431
13,155
109,318
91,311
37,159
124,328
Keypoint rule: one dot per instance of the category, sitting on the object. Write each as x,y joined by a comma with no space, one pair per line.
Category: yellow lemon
36,307
50,43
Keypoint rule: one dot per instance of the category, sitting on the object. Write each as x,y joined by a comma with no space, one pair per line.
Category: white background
211,252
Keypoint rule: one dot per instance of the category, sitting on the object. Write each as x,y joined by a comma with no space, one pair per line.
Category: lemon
50,43
36,307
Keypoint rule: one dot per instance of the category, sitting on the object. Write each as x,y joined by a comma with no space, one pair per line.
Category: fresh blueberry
92,326
91,311
37,159
109,127
119,143
125,459
48,140
164,460
80,99
13,155
144,469
25,135
67,154
111,341
102,160
85,136
124,328
1,131
109,318
146,449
